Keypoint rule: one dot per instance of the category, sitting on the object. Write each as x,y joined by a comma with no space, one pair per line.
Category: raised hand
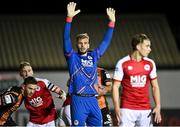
111,14
71,12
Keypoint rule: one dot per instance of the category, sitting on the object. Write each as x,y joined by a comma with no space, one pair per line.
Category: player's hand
102,90
71,12
111,14
157,117
62,95
118,115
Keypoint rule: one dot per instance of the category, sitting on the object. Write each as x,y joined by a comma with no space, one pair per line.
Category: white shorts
135,118
65,116
49,124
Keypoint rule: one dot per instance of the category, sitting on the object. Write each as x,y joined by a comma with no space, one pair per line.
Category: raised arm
71,12
108,36
104,82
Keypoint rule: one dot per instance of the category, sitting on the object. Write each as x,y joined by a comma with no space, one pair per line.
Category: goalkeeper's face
83,45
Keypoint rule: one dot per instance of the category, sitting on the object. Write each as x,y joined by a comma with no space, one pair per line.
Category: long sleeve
67,44
107,39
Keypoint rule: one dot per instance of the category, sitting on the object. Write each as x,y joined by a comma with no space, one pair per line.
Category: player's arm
117,78
8,99
156,96
115,98
71,12
62,94
103,90
106,86
55,88
107,81
155,93
108,35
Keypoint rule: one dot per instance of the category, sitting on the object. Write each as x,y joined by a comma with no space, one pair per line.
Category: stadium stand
38,39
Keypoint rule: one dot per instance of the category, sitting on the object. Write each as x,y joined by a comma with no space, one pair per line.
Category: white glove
71,9
111,14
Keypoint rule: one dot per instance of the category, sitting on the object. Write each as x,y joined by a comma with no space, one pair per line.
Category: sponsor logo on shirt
138,80
36,102
7,99
108,75
87,63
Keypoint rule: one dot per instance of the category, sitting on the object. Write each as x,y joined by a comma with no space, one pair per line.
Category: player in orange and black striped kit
10,100
104,86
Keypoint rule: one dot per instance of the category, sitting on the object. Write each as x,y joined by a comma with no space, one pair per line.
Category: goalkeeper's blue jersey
83,69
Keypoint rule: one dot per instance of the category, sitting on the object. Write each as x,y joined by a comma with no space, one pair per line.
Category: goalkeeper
82,66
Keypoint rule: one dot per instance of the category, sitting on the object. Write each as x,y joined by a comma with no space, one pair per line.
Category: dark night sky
169,8
59,6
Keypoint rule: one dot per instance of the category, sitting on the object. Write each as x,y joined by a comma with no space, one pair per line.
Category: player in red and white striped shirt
134,72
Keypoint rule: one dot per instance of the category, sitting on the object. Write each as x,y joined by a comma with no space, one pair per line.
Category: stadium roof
38,39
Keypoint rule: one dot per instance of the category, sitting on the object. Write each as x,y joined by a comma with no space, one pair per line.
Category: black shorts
107,119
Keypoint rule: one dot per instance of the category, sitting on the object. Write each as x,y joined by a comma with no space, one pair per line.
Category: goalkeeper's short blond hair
82,36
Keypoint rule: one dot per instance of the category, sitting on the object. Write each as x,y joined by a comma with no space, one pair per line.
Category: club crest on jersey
87,63
76,122
90,58
147,67
38,88
130,68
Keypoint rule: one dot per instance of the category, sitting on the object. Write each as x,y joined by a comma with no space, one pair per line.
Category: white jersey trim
119,73
48,84
153,73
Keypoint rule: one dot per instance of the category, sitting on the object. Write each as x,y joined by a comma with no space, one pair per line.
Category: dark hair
30,80
138,38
